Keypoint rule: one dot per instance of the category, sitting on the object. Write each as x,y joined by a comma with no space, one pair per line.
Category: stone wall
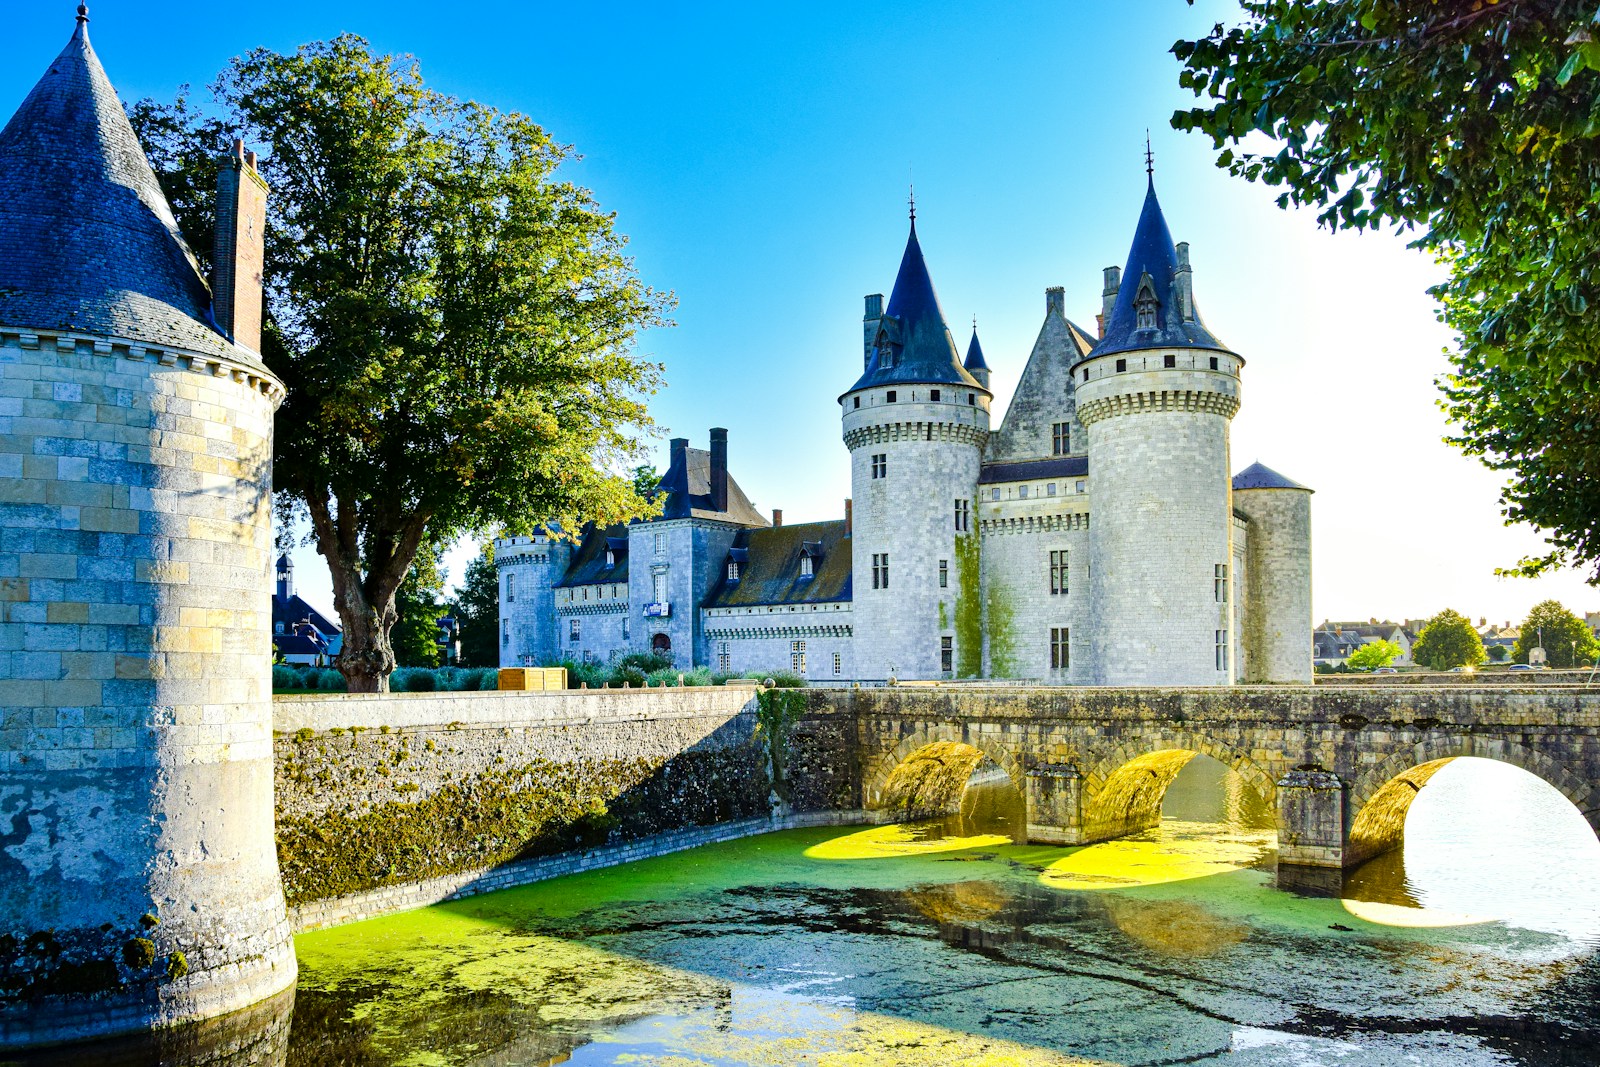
387,801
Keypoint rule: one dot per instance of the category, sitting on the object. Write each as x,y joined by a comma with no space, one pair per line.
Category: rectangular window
505,631
944,574
1060,649
838,665
858,401
947,654
880,570
1083,487
1022,492
1213,362
724,660
660,545
963,516
574,630
733,571
1058,571
994,494
1169,361
659,583
880,464
1061,438
892,396
511,588
805,567
1222,650
933,395
1219,582
625,627
1122,365
972,400
797,657
1050,490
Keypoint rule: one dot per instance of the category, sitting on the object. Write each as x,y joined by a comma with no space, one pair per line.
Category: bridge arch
1123,790
880,770
1381,797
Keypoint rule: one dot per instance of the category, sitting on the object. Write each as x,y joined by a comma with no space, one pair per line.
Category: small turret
975,364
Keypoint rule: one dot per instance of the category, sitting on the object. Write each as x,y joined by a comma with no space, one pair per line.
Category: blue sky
758,157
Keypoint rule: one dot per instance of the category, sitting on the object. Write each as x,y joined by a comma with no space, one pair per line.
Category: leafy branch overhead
455,321
1471,125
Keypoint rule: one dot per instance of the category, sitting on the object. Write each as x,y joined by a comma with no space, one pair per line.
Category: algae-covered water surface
949,944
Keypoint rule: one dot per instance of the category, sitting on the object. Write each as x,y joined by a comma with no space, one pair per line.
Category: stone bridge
1340,765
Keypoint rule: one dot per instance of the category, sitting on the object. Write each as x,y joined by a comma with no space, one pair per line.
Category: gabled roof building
1094,537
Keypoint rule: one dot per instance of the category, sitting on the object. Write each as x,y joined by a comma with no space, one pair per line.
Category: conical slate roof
914,333
975,361
87,240
1152,254
1259,476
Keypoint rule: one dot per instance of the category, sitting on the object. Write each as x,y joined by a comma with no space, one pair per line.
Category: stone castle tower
138,876
1156,396
915,423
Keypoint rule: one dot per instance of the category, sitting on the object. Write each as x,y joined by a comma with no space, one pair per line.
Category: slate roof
1026,470
588,563
975,361
771,573
913,328
1259,476
688,489
87,240
293,610
1153,254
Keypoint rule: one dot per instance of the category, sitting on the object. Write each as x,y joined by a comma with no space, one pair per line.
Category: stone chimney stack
240,252
1184,277
869,327
777,518
1108,295
719,468
1055,301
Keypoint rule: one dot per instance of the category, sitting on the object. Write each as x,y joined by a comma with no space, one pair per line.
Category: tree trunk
364,600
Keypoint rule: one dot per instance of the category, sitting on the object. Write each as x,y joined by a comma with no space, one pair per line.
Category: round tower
140,881
1277,588
1156,396
529,567
915,423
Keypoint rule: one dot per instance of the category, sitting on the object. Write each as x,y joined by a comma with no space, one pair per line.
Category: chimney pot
869,327
777,518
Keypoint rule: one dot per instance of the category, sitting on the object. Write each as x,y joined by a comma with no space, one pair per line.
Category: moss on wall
998,613
969,607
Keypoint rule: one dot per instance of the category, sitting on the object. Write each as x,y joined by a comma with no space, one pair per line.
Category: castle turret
1156,396
915,423
1277,590
140,883
529,568
975,364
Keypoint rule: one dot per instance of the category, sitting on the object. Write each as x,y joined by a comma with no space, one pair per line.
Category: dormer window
810,552
1145,304
611,559
733,570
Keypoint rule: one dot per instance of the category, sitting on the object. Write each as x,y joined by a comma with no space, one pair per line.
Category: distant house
1334,642
300,633
1502,636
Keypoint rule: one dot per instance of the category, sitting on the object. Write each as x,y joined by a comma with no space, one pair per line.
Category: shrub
285,677
326,678
645,662
781,679
414,680
629,675
489,678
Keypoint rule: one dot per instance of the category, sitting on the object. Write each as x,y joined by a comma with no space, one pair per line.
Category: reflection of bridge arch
1381,797
1124,789
877,774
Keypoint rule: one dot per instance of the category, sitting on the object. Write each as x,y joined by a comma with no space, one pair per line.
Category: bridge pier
1311,821
1055,805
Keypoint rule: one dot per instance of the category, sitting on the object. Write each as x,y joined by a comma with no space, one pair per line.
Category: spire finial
974,324
1149,156
83,12
912,200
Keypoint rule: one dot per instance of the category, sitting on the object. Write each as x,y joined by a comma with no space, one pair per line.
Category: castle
967,551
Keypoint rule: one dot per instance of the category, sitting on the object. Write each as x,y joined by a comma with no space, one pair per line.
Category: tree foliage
1472,125
455,323
415,635
1567,642
477,608
1374,654
1448,640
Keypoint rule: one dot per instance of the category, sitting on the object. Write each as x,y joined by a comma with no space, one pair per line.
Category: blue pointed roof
1259,476
914,345
87,239
1154,255
975,361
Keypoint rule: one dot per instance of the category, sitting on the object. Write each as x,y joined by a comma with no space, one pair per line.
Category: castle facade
1095,537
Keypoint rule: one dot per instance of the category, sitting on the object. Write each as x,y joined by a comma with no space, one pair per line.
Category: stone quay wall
393,801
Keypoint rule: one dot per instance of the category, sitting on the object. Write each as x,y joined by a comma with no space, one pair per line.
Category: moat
948,943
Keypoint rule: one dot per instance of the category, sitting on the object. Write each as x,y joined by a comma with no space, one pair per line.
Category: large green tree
1448,640
477,608
455,322
1374,654
1473,125
415,634
1567,642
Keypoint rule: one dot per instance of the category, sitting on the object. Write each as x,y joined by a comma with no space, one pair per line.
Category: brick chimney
719,469
849,516
777,518
240,251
